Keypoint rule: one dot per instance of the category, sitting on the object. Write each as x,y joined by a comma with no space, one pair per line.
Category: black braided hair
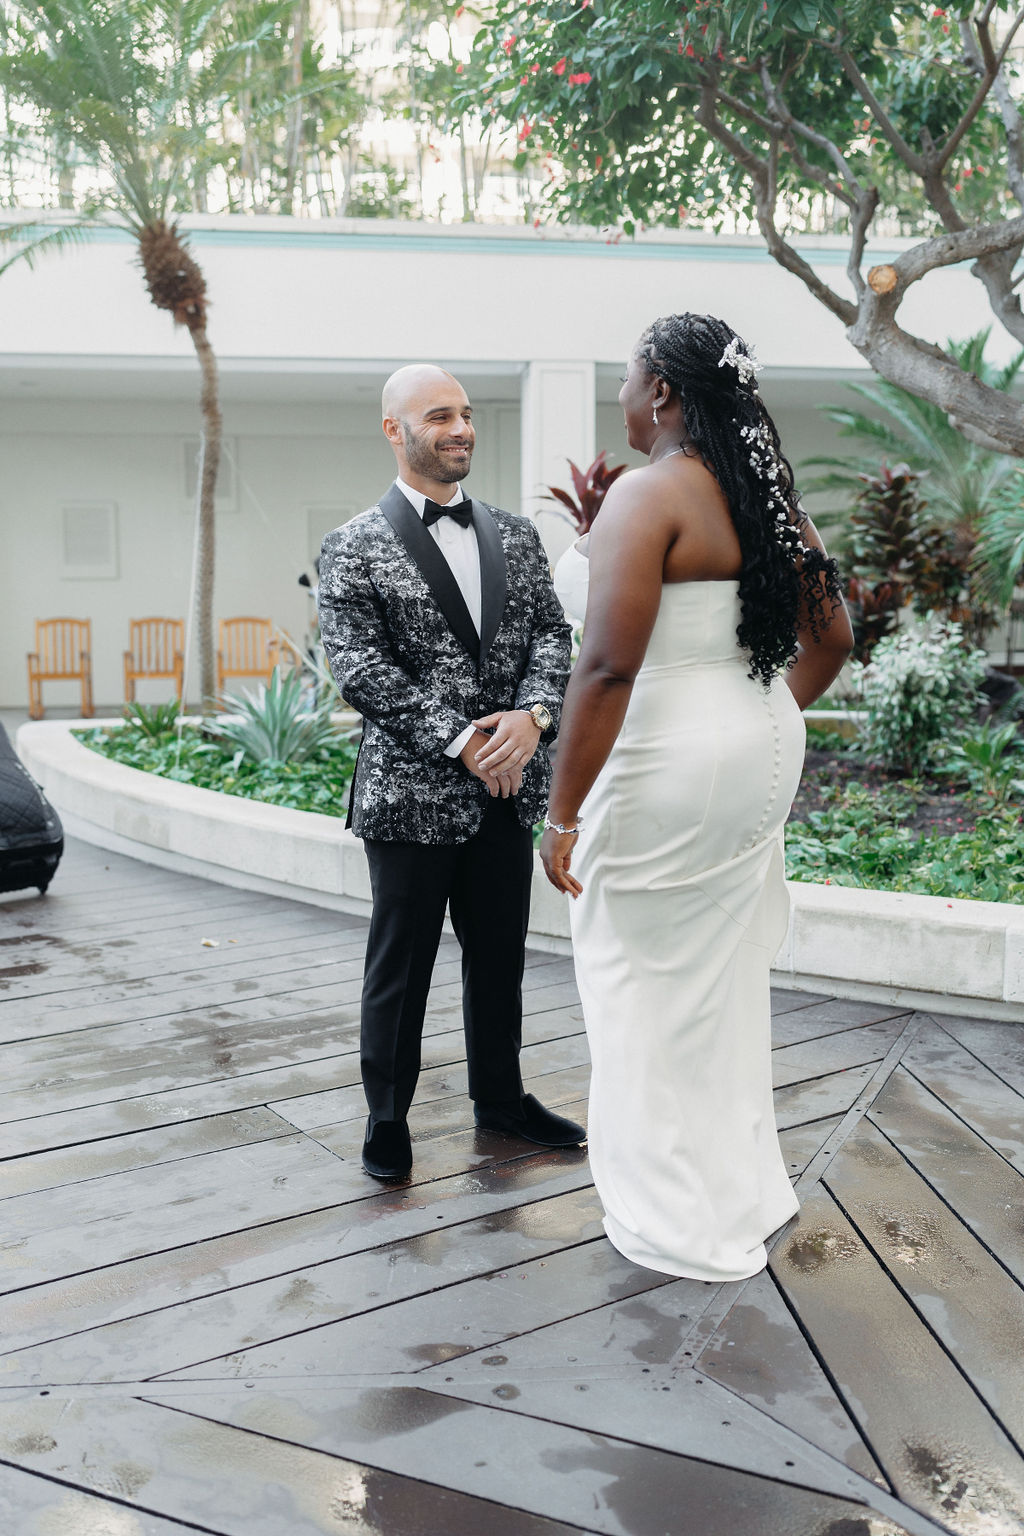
712,371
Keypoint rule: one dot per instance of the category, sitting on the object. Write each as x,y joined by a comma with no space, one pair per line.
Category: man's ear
392,429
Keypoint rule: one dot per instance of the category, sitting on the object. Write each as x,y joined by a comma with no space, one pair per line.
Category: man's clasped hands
500,748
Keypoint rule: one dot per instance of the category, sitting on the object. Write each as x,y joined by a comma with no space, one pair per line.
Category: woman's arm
819,657
627,550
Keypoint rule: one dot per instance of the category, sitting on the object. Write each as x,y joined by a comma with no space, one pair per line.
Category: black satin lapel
436,571
493,576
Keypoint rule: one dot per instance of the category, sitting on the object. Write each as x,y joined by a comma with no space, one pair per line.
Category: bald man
442,628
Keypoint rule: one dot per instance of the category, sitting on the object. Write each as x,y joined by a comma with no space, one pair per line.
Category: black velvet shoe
531,1121
387,1150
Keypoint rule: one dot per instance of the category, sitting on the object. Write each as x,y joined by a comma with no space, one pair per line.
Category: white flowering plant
919,689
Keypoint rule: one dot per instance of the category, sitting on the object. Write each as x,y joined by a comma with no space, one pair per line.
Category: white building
99,394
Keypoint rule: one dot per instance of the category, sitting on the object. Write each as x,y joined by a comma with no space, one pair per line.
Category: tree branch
956,246
985,415
863,216
779,106
1007,111
992,64
760,173
910,159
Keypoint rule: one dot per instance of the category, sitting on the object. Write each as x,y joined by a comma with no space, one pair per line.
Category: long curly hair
782,579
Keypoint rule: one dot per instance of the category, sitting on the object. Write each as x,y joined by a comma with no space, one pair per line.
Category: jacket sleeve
358,649
547,670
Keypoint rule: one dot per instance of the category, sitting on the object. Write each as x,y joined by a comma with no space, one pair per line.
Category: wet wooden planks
211,1319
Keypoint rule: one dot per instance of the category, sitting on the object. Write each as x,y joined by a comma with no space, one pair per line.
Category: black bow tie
461,511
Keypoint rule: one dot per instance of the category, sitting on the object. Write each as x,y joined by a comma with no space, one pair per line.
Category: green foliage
277,724
591,486
616,91
378,191
137,87
863,840
998,558
320,783
898,555
821,739
992,759
917,689
156,722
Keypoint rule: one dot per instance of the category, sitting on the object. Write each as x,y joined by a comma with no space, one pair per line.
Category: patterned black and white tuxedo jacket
405,653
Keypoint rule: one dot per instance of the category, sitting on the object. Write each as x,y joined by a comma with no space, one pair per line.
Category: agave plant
156,722
276,724
591,485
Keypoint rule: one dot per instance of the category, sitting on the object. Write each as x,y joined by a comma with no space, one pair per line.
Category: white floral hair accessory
745,363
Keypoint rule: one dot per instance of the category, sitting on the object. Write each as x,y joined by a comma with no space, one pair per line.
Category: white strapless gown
684,906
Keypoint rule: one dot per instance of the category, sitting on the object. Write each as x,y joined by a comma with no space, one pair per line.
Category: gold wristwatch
541,717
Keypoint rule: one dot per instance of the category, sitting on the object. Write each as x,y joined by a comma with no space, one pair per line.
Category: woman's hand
556,855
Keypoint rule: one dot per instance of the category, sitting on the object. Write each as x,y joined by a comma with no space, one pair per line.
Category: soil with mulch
937,808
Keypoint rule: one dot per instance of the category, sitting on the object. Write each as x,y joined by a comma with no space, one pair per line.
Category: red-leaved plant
591,486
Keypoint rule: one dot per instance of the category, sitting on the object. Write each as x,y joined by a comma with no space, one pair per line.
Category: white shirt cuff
455,747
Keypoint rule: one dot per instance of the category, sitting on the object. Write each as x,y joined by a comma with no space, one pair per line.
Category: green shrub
917,690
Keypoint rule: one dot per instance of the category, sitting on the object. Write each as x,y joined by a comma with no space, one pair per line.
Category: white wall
299,471
320,312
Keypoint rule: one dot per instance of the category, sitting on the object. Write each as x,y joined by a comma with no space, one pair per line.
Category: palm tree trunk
209,406
176,284
293,141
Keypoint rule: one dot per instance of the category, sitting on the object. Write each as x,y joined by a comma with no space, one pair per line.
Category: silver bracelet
556,826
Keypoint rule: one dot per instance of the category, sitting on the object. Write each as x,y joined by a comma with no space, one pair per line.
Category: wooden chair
63,650
156,649
247,648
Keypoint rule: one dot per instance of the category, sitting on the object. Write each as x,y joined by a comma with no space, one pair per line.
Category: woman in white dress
714,617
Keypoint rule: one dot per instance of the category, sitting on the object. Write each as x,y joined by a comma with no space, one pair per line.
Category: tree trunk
293,140
209,464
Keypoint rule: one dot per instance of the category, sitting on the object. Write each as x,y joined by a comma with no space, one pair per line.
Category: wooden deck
211,1319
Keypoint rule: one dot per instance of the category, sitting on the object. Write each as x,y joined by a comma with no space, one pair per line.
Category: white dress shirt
460,549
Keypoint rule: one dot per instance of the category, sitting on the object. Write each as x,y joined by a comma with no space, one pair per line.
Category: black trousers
485,884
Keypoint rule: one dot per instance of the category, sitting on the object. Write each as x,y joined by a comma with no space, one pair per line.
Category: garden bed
853,823
858,824
914,951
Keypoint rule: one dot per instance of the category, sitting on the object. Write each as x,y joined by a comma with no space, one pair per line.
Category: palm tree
963,479
136,89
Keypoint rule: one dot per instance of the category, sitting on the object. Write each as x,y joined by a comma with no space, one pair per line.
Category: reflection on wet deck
211,1319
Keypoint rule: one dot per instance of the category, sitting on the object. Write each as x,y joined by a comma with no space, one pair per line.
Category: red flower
459,12
524,81
534,68
583,79
937,12
459,68
525,130
691,52
559,68
598,162
508,43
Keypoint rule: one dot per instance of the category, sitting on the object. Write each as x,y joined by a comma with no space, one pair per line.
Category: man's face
434,435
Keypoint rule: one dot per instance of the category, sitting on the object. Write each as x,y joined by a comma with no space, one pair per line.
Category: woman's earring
655,415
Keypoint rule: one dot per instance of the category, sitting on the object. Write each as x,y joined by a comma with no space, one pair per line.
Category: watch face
541,716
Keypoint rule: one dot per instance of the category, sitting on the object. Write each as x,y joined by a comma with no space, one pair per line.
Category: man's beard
433,464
